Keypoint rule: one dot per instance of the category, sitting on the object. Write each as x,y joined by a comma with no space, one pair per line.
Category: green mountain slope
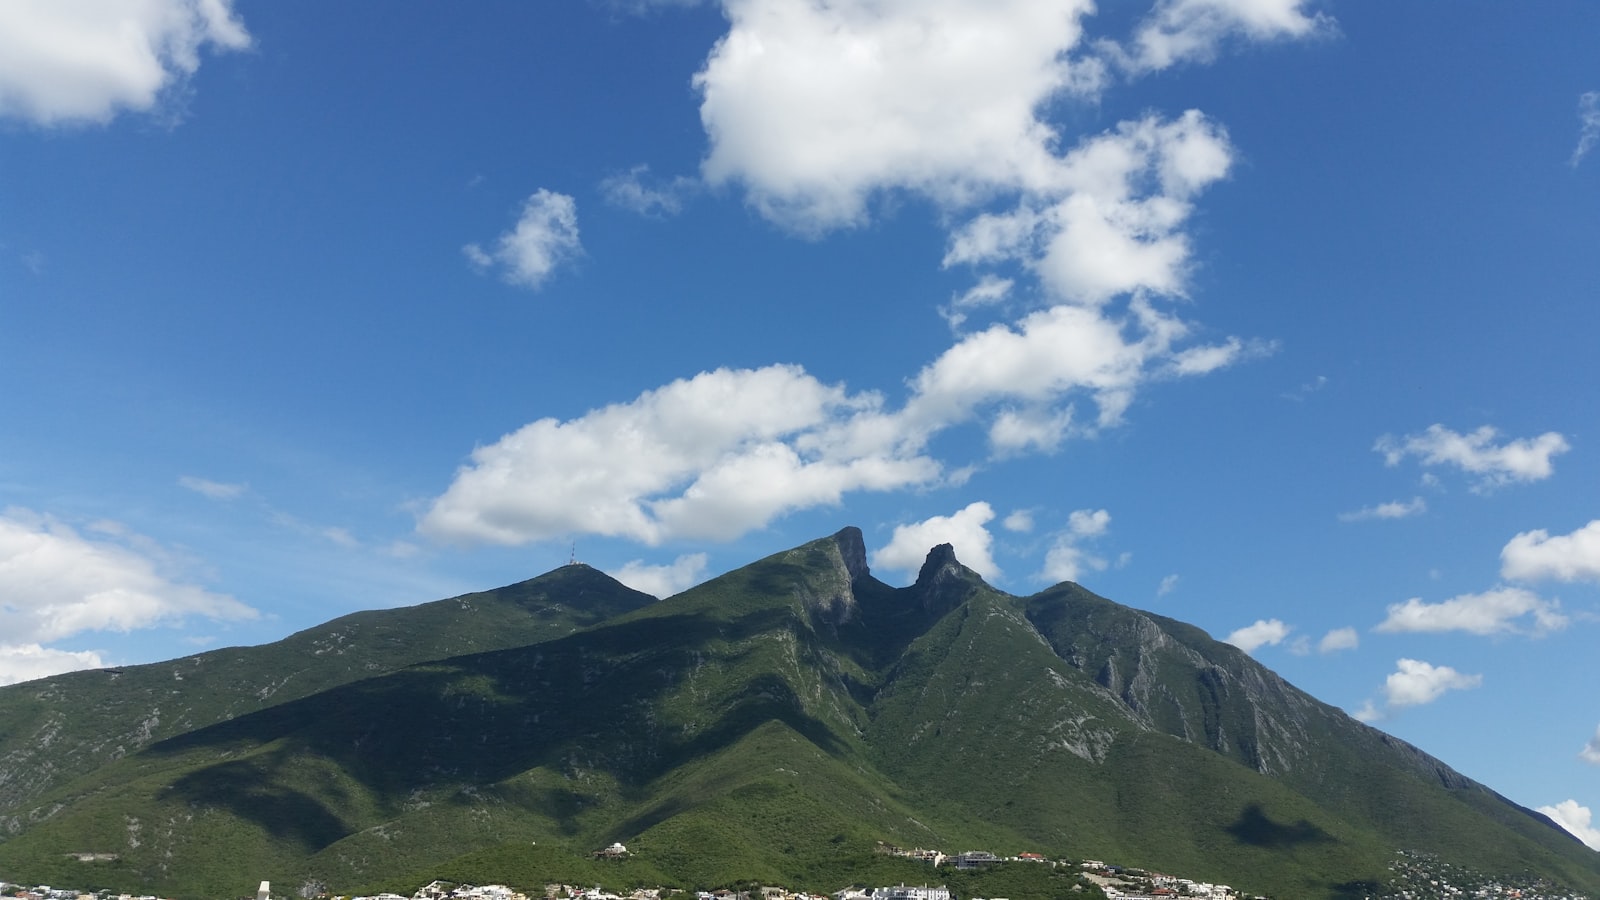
774,724
55,729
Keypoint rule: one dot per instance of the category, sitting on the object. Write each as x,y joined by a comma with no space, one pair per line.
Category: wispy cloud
216,490
1591,751
59,583
1299,394
545,236
1332,642
636,191
1394,509
1180,31
1477,453
1588,126
1067,559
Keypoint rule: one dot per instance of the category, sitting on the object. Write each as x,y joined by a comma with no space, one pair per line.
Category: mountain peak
853,551
943,581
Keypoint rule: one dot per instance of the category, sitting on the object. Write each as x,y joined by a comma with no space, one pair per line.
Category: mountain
773,724
56,729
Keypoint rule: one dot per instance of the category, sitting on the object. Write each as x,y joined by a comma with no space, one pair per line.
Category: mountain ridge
792,712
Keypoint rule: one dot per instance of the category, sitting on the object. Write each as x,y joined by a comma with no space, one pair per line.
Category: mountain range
779,723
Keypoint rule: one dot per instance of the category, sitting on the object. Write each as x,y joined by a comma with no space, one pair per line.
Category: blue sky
1276,317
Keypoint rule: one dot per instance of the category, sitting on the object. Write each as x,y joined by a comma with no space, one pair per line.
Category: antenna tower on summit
573,559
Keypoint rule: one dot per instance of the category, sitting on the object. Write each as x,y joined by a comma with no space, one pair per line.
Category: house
901,892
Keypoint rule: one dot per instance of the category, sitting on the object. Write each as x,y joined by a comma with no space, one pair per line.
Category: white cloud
1394,509
813,110
1491,612
1168,585
990,290
1108,221
1588,125
58,583
629,190
1535,555
215,490
1591,751
815,107
1496,465
663,581
546,235
1033,366
709,457
964,530
1067,560
1261,633
1414,683
1019,521
83,61
25,662
1339,639
724,452
1179,31
1576,820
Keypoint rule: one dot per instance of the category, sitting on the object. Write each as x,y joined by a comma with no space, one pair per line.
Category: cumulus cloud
1261,633
1414,683
717,455
965,530
1576,820
57,583
1536,556
1588,125
1179,31
1394,509
1024,372
663,581
215,490
1067,559
84,61
1492,612
813,110
816,107
635,191
1477,453
545,236
1110,219
708,457
25,662
1591,751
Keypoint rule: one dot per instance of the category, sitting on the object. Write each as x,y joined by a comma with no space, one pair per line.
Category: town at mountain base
774,725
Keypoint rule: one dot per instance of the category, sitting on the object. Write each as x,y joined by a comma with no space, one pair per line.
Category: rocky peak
853,552
943,581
